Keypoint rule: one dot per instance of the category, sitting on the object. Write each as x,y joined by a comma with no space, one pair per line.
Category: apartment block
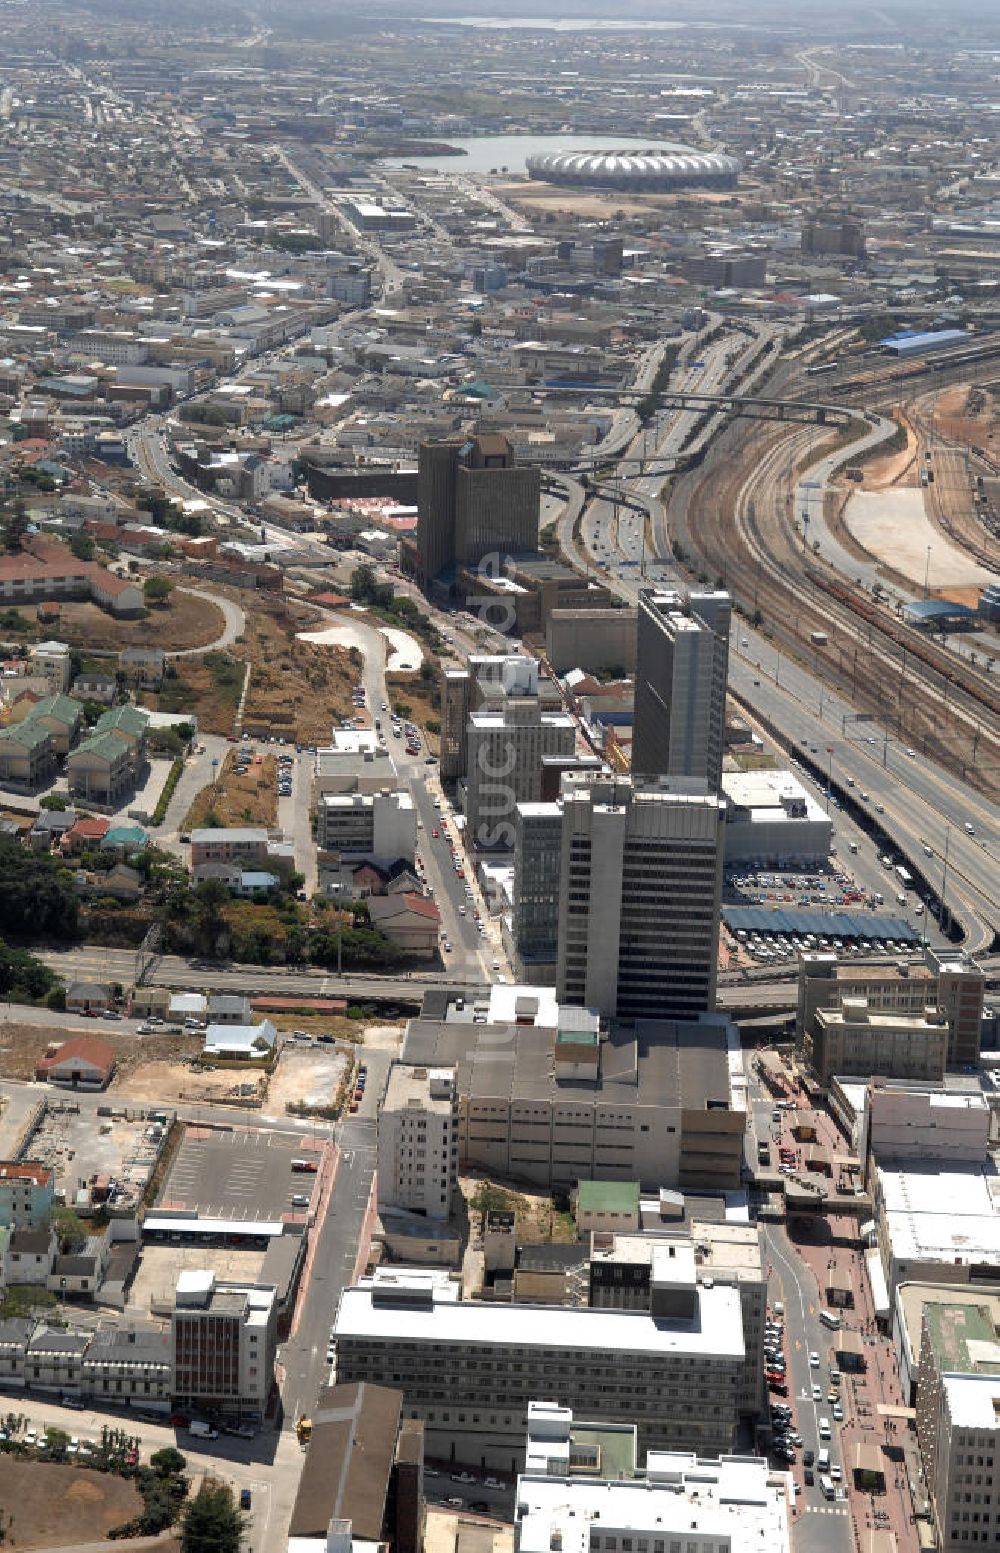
682,664
224,1339
639,891
418,1141
470,1370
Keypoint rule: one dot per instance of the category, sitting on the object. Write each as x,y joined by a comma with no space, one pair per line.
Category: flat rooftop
717,1329
940,1215
661,1062
738,1501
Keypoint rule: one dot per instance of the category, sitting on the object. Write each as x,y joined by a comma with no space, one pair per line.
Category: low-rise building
410,921
946,980
224,1339
83,1062
378,827
241,1043
937,1224
60,716
853,1038
53,662
772,821
26,1194
471,1369
362,1479
246,844
582,1489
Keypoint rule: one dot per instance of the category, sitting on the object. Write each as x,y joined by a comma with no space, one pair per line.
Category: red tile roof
80,1048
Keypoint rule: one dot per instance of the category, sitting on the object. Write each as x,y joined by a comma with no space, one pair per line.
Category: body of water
485,152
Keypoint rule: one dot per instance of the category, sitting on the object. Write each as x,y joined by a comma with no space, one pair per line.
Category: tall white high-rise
682,664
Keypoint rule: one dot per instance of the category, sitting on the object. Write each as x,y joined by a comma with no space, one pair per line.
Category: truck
818,638
904,876
763,1154
199,1429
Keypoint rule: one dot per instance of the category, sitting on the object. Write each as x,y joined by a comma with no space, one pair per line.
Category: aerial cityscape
500,777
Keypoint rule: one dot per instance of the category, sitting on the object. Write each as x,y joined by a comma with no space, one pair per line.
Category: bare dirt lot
60,1506
184,621
170,1083
248,798
310,1075
296,688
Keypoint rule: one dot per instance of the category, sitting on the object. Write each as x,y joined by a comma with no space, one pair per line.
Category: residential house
412,922
85,834
83,1062
80,1272
256,881
91,686
241,1043
30,1253
101,770
143,667
126,1363
125,840
229,844
120,882
14,1335
27,755
49,826
150,1002
228,1008
82,996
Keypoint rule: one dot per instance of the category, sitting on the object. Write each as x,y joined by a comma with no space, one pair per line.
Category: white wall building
379,827
680,1502
418,1141
772,821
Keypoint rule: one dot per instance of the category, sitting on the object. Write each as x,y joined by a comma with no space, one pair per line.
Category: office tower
535,906
456,689
505,754
639,892
472,502
682,662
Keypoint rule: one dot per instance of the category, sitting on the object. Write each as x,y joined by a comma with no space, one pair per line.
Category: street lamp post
927,572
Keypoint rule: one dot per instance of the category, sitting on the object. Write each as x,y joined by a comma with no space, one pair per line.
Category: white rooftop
940,1215
737,1503
972,1400
717,1329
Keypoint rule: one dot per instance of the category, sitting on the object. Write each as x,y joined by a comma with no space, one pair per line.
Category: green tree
55,801
82,546
14,524
71,1231
212,1523
156,590
168,1460
209,898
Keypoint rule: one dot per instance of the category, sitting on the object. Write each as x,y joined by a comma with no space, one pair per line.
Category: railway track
884,667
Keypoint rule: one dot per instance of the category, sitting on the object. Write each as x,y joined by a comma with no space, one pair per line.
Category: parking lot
240,1175
770,916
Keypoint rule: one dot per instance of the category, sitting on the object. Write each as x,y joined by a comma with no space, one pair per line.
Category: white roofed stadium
651,171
